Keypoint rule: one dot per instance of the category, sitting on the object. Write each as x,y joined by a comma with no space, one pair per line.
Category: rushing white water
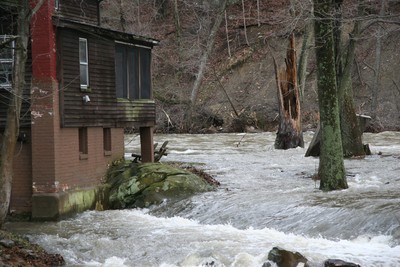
267,198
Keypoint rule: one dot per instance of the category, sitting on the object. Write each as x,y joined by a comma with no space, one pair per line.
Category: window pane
6,62
83,141
83,60
120,71
6,53
5,74
107,139
145,73
133,67
84,77
82,50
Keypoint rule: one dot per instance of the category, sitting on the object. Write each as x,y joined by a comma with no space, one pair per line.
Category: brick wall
73,172
56,164
44,43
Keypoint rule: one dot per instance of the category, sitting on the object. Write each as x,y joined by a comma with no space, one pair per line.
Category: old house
85,84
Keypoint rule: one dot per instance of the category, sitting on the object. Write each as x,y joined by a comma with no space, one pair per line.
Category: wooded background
237,89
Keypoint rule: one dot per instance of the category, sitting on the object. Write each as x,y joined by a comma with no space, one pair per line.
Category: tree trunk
177,19
349,123
207,52
290,134
203,64
162,8
13,114
377,72
121,15
305,51
227,35
244,24
331,169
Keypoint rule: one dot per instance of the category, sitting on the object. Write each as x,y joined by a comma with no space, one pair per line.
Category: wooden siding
78,10
104,109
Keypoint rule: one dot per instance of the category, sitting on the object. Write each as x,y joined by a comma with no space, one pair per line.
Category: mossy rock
142,185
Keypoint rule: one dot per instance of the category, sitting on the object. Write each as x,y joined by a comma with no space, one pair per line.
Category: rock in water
285,258
142,185
339,263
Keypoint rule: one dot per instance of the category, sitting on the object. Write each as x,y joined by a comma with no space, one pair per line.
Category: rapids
267,198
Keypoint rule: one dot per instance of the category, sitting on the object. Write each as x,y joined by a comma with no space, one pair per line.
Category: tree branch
6,42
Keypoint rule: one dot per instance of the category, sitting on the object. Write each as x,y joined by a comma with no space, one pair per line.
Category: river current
267,198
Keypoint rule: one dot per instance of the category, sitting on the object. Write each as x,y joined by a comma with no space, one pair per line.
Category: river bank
18,251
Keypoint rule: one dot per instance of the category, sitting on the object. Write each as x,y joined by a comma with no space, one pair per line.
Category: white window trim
84,63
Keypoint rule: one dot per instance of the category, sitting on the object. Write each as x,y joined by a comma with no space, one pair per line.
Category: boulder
142,185
339,263
286,258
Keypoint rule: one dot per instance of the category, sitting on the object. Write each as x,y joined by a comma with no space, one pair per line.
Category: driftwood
158,154
289,133
313,149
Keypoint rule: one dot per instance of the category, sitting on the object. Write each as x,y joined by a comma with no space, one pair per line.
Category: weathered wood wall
104,109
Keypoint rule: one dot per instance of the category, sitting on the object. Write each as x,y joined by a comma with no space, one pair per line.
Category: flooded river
267,198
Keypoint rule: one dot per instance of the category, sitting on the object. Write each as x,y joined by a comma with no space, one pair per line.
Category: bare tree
244,23
207,52
378,58
258,13
13,115
121,15
304,53
331,169
350,130
227,35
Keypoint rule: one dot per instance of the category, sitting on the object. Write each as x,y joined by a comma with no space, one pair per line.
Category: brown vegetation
17,251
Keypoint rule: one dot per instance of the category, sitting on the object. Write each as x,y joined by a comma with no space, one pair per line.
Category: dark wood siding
78,10
103,110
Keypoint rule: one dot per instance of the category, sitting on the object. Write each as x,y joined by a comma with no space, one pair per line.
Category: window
83,143
83,63
107,141
6,62
133,71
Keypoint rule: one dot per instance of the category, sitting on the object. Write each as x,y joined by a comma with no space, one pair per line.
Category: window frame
10,61
83,143
107,141
84,64
129,73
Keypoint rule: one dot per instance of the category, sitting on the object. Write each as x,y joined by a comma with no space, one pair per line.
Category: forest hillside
237,87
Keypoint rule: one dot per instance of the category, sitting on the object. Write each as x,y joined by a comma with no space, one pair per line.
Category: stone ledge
60,205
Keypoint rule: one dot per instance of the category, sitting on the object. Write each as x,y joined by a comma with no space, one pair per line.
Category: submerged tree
331,169
290,133
351,131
